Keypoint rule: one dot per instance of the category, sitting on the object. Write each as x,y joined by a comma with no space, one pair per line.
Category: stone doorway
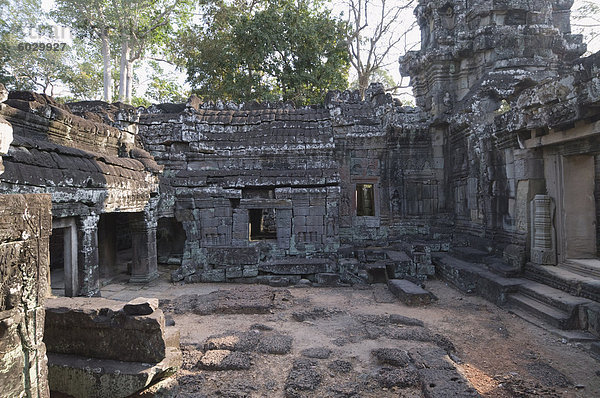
114,247
63,257
578,215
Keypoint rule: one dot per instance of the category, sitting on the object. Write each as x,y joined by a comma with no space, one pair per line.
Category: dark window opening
170,241
262,224
365,200
57,261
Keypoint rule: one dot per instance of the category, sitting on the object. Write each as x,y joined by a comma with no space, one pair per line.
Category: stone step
548,314
501,268
552,297
565,280
410,293
570,336
469,254
589,268
494,264
475,278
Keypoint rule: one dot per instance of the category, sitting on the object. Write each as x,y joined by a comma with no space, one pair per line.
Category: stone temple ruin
492,182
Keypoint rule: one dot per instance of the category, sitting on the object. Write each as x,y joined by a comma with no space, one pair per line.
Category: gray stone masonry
24,265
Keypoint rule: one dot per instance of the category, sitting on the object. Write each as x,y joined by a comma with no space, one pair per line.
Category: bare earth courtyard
260,341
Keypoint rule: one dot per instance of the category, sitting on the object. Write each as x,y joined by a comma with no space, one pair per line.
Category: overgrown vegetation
136,51
266,50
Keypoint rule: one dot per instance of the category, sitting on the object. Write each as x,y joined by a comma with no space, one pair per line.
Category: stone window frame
272,236
376,197
280,206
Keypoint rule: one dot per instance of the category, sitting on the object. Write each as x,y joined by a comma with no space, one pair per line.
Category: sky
412,42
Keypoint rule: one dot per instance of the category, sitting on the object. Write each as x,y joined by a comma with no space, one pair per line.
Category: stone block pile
101,348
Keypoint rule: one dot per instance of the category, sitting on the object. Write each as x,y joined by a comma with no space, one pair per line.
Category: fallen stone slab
141,306
100,328
340,366
167,388
315,313
84,377
397,377
304,376
409,293
276,343
442,383
251,299
265,342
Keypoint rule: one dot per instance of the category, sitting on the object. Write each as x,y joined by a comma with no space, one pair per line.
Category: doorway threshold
588,267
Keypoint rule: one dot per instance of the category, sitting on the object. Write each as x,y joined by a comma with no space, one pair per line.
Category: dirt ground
257,341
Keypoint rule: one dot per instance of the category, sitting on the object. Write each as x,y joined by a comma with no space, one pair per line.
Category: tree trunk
129,86
123,71
363,84
106,68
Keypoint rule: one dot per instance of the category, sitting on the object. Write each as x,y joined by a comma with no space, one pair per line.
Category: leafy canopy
273,50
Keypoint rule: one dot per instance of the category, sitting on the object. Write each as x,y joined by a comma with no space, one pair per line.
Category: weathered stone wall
25,223
252,184
478,68
90,166
392,147
224,162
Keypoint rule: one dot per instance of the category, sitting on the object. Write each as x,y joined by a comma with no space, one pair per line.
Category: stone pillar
284,228
25,225
144,266
107,245
6,131
240,235
89,270
543,237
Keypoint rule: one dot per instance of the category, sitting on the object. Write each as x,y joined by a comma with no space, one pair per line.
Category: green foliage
163,88
131,28
19,69
276,50
139,101
83,72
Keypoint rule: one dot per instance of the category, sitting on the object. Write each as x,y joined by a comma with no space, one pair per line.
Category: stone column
107,245
144,266
240,229
6,131
284,228
543,240
88,256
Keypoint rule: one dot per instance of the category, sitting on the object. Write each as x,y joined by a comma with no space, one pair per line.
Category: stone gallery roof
39,163
75,159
